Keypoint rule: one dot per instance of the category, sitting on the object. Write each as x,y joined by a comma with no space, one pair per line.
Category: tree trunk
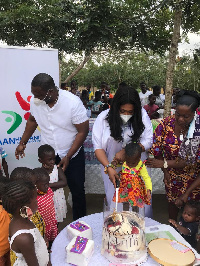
86,59
172,59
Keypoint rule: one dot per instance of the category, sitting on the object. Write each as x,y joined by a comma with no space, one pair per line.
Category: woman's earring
23,212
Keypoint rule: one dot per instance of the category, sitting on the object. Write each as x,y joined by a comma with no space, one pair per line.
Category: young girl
27,174
4,228
135,182
46,204
20,200
58,180
188,223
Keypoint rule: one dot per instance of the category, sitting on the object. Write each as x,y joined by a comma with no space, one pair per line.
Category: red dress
47,211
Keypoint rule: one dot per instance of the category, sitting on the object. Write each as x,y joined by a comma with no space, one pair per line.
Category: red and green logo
14,117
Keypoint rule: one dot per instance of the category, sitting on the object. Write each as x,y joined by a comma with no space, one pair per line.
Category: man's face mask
39,101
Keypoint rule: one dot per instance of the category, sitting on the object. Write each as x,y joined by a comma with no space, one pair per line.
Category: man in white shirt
64,125
160,98
144,94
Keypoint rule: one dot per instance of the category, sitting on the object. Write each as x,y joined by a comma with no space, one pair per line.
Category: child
20,200
188,223
58,180
27,174
135,182
3,162
96,104
46,204
4,228
152,108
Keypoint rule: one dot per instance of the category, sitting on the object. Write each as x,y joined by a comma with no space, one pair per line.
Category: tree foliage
86,25
133,67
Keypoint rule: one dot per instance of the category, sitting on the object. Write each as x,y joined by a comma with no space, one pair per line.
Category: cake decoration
79,226
80,245
79,251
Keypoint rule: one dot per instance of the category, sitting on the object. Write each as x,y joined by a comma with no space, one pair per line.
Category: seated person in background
96,104
4,228
151,107
188,223
3,163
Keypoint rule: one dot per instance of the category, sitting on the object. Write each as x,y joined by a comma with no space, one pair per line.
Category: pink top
151,109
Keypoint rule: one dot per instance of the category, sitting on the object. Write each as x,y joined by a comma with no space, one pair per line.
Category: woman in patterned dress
177,152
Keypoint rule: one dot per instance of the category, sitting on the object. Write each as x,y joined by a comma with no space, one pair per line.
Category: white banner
18,67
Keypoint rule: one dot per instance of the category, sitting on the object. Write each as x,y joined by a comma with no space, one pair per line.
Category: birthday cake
123,239
79,251
79,228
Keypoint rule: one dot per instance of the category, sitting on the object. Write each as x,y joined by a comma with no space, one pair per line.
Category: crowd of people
33,200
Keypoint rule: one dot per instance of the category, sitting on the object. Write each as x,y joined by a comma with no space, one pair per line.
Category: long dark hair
123,96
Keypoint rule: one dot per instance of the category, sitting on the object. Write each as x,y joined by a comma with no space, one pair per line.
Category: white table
58,255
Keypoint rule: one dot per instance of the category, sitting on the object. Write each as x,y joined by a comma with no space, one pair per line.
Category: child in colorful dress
20,199
135,182
57,181
46,204
4,228
189,222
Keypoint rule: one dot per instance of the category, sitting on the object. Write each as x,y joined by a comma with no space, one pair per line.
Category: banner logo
15,118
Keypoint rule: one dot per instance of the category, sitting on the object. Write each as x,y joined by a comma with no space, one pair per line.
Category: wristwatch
106,168
165,165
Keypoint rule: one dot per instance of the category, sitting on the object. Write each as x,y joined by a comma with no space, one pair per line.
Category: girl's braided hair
17,194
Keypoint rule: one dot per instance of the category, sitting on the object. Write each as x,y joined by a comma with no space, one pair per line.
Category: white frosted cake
79,251
123,239
79,228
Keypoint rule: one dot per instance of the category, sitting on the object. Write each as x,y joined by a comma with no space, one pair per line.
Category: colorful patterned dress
167,144
134,183
47,210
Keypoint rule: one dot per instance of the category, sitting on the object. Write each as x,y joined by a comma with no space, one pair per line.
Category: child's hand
173,222
179,203
148,194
